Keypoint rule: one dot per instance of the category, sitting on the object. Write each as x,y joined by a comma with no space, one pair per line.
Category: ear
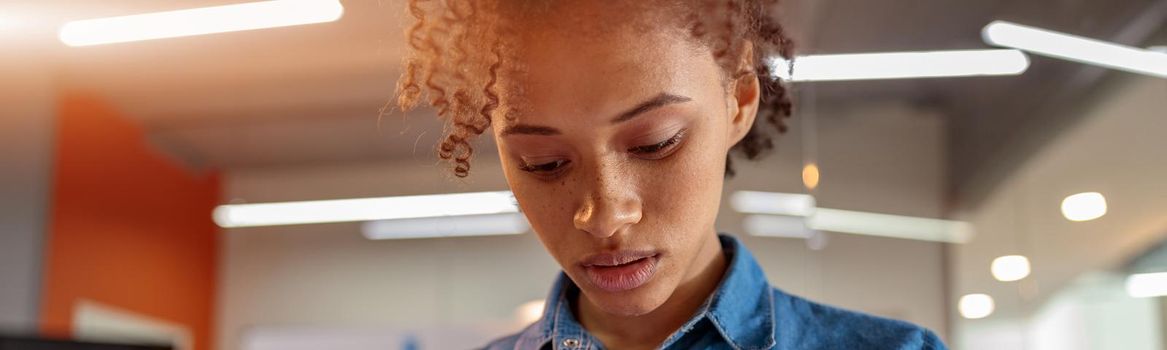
745,96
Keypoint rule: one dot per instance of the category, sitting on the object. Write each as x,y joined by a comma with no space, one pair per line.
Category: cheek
685,189
684,201
548,206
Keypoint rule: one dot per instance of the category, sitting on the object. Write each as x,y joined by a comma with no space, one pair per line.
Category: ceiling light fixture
199,21
364,209
1146,285
810,176
902,65
777,226
887,225
974,306
773,203
795,216
1010,268
446,226
1075,48
1084,206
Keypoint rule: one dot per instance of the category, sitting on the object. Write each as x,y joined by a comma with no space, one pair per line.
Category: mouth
622,270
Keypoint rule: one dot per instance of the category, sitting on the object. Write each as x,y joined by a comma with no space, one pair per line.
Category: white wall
329,275
27,114
874,157
1092,312
1119,149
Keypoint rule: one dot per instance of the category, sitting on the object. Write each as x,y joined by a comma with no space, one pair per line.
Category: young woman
615,122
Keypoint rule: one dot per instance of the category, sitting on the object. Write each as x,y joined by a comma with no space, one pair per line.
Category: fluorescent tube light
198,21
776,226
364,209
886,225
1146,285
795,216
756,202
901,65
446,226
1075,48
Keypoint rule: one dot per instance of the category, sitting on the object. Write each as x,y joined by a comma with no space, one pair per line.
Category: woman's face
617,157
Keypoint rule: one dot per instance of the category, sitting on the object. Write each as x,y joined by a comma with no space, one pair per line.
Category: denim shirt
745,312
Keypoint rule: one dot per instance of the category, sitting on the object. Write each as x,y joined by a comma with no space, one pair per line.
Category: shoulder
520,340
808,324
508,342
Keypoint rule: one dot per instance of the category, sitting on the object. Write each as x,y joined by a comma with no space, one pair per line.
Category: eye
660,149
548,168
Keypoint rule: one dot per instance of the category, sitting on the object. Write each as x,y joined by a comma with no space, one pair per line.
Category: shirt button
571,343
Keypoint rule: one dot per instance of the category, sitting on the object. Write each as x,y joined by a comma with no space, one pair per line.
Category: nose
609,205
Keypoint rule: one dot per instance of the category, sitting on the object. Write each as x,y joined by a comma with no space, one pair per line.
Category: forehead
583,58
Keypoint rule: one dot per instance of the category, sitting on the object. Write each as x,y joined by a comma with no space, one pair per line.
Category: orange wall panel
129,228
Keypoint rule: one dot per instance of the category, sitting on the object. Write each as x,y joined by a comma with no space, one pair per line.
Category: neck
648,331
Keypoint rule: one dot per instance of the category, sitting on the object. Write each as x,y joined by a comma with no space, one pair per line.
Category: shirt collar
558,323
741,309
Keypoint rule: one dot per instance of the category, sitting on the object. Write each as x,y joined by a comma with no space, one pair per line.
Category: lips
622,270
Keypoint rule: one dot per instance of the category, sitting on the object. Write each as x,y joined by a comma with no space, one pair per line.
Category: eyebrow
661,100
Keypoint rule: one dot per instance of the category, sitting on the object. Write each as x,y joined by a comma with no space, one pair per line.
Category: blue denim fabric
744,313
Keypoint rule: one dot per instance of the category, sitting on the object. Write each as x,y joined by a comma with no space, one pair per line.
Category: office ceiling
311,94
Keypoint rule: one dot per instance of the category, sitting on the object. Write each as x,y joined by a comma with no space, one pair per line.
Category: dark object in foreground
33,343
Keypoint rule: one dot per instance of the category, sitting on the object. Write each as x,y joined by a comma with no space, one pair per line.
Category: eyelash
546,168
659,147
551,168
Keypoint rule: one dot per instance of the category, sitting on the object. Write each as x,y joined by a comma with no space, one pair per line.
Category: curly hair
461,59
